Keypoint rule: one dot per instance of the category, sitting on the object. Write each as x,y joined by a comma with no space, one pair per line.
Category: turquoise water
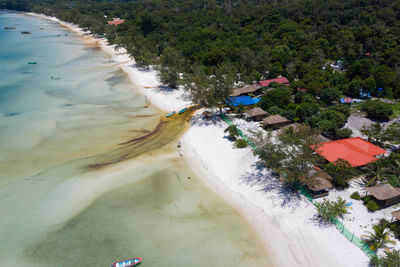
89,170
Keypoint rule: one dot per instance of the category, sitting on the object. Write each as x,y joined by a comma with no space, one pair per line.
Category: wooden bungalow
319,184
385,194
245,90
275,121
257,114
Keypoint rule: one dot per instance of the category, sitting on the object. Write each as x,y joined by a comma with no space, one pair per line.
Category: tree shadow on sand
267,182
201,120
317,220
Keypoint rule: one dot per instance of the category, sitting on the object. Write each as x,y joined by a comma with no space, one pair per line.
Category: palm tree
233,132
340,206
379,238
376,171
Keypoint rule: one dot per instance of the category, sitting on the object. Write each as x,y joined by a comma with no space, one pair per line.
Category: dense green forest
258,38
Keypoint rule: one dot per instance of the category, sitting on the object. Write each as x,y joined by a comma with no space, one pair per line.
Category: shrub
278,97
329,95
355,195
233,132
341,171
392,258
343,133
377,110
241,143
331,209
372,206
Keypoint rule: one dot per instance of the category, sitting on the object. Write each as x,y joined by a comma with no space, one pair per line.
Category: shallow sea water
90,172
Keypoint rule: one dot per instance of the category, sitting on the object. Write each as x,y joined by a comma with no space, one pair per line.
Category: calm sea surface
90,172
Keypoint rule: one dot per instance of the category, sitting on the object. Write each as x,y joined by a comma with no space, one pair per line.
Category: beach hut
275,121
319,184
385,194
253,89
281,80
256,114
396,215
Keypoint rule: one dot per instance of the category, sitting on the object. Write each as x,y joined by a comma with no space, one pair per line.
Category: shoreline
145,80
280,228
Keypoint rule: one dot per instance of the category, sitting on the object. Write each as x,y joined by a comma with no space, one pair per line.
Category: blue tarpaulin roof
242,100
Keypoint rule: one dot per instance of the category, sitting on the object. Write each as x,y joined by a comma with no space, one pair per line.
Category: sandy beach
285,221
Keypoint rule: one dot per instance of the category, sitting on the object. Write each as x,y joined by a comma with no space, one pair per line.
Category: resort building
275,121
116,21
242,101
319,184
385,194
396,215
355,150
249,89
281,80
256,114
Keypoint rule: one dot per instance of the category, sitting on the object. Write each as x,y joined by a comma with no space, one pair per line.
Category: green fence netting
229,122
343,230
353,238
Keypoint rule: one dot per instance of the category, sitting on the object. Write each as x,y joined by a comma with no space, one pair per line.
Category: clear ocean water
90,173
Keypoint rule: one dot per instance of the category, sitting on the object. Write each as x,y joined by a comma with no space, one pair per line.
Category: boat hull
127,263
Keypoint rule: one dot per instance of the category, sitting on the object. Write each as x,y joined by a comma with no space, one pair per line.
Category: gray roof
383,191
256,112
319,181
274,119
396,214
245,90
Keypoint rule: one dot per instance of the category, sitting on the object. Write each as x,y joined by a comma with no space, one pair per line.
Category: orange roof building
355,150
116,21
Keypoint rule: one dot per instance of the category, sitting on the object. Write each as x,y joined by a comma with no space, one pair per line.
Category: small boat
170,114
55,78
32,62
9,28
127,263
26,32
182,110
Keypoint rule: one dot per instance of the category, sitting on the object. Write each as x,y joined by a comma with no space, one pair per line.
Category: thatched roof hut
246,90
396,214
256,114
385,194
319,183
275,121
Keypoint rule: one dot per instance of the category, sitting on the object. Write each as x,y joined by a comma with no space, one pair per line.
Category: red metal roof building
116,21
355,150
281,80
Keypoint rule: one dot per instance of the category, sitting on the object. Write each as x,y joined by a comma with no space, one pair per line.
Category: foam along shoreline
284,222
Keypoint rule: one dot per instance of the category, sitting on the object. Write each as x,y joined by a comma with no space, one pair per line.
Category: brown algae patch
166,131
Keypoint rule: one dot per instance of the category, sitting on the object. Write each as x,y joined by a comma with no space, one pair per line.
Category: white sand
285,221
